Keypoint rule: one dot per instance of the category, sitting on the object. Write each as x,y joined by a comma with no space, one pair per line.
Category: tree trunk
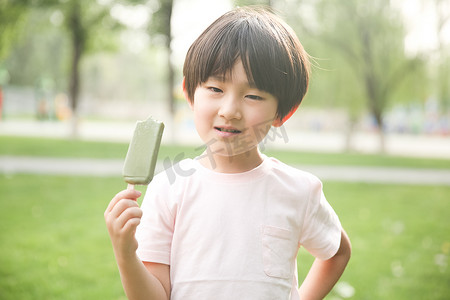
76,30
380,130
349,133
1,102
170,69
372,84
170,96
74,89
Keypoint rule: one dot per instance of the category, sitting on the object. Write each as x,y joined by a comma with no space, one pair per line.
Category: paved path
113,167
326,141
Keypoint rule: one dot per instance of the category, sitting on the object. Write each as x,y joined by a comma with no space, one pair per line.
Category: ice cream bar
143,151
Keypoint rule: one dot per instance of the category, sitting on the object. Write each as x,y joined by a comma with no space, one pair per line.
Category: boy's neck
232,164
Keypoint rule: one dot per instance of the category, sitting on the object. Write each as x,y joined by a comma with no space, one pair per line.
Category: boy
230,224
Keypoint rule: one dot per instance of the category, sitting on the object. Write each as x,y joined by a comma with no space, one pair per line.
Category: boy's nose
230,108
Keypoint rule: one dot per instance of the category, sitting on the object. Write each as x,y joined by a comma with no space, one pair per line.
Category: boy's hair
273,58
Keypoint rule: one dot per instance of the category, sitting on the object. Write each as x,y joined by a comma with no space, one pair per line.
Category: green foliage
442,78
125,75
356,48
360,62
12,17
161,21
42,51
161,25
253,2
92,23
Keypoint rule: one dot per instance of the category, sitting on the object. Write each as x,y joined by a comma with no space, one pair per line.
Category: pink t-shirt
235,236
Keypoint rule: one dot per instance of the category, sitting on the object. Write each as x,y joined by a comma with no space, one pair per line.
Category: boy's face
231,116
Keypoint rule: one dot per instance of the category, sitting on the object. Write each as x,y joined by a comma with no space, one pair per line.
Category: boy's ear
278,122
185,93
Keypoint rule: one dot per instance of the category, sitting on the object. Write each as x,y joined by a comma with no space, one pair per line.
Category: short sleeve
154,233
321,232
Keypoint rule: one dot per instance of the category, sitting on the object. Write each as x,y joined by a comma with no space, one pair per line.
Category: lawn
400,237
74,148
54,244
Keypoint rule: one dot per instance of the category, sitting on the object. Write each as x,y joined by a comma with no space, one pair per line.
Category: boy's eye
215,90
255,97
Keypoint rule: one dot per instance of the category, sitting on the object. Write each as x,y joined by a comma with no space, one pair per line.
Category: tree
161,25
254,2
88,25
442,10
12,16
84,21
365,37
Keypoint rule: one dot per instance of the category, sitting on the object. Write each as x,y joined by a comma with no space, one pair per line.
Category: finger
125,194
121,206
116,220
130,226
127,215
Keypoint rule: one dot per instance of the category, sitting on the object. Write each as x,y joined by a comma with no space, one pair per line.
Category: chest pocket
279,251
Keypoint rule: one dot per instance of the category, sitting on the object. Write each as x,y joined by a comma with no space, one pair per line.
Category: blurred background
380,76
75,75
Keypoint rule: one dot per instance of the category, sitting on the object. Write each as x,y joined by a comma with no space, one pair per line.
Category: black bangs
246,41
230,44
224,52
271,54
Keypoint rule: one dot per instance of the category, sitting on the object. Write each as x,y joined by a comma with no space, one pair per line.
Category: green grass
52,147
54,243
400,237
74,148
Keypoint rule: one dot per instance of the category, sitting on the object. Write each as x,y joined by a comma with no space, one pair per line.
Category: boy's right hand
122,216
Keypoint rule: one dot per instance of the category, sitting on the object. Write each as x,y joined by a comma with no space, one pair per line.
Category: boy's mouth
231,130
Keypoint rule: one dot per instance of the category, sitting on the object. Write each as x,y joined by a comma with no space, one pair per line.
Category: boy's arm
140,280
324,274
145,280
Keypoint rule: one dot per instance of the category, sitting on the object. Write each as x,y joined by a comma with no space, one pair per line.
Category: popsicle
140,161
